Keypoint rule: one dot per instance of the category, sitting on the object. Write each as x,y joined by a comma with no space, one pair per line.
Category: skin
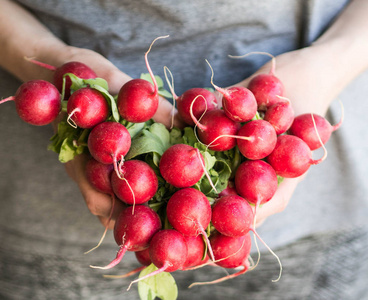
325,68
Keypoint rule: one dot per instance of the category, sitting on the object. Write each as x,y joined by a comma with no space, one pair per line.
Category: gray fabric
45,226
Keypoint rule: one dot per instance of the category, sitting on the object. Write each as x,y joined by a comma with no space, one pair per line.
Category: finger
98,203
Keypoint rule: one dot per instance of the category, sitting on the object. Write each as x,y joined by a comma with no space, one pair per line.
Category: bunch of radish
191,194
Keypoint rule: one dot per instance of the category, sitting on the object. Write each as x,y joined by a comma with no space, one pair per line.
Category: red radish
168,251
182,165
216,130
189,211
238,102
109,142
139,183
229,190
231,252
292,157
280,115
184,102
37,102
261,139
133,232
256,181
99,175
266,87
196,251
138,99
75,67
232,215
143,257
199,107
86,108
303,127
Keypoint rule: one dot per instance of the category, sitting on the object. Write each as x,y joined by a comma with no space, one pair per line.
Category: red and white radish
232,215
183,102
206,102
136,184
181,165
77,68
189,211
280,115
303,127
292,157
238,102
267,88
86,108
138,99
38,102
196,252
259,139
216,130
231,252
256,181
168,252
133,232
109,142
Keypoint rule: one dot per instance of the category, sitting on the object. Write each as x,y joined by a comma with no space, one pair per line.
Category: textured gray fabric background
45,226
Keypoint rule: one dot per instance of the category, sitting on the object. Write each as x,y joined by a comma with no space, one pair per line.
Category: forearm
21,34
314,76
345,45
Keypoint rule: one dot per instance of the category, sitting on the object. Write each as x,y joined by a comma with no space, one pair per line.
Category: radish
168,251
231,252
292,157
139,183
256,181
184,102
260,139
229,190
181,165
280,115
303,127
233,216
37,102
75,67
189,211
238,102
133,232
86,108
138,99
99,176
196,252
267,88
143,257
109,142
216,130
